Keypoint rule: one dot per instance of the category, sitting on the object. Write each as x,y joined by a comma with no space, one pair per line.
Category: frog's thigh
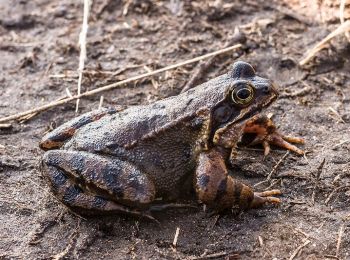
112,179
73,196
219,190
61,134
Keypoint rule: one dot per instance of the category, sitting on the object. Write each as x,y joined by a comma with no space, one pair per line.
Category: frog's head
246,95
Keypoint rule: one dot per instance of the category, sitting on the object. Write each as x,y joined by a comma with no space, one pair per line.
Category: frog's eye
243,94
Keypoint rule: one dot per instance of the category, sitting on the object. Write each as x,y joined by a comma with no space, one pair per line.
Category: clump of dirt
39,58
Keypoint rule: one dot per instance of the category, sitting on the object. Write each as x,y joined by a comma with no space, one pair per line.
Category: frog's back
125,128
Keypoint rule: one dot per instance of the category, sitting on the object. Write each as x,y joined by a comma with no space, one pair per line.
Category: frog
131,160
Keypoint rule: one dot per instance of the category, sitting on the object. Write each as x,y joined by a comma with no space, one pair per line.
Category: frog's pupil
243,93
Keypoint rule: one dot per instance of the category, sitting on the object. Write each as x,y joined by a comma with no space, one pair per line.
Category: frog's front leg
266,133
56,138
219,190
93,184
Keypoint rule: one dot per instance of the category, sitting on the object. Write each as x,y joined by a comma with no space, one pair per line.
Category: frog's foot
60,135
265,197
93,184
266,134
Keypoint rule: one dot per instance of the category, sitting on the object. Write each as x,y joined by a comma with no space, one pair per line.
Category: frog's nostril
266,90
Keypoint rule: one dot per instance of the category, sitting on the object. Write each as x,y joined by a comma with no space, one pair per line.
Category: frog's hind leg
92,184
74,197
266,133
61,134
219,190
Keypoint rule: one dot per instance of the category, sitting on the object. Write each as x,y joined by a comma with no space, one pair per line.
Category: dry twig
302,232
72,241
261,241
296,252
177,232
101,102
154,82
277,165
318,175
322,44
82,44
274,169
341,16
38,233
215,255
117,84
5,126
335,112
331,257
341,143
335,191
340,236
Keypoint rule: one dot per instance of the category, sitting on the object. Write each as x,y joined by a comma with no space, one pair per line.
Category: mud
39,58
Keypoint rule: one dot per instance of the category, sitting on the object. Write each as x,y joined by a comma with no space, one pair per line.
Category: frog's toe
284,142
266,197
266,134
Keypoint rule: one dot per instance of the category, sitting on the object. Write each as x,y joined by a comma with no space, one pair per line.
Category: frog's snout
270,90
274,89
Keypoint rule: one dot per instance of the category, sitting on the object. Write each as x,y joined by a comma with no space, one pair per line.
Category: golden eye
243,94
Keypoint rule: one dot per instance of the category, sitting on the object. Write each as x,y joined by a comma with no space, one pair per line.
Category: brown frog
109,161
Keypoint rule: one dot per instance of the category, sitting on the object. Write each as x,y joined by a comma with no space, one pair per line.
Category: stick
269,176
177,232
71,243
335,112
3,126
117,84
318,175
298,249
302,232
277,165
341,16
82,43
215,255
340,30
340,235
341,143
101,103
331,257
261,241
334,191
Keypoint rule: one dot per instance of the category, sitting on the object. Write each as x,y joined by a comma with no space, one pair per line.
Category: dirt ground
39,57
